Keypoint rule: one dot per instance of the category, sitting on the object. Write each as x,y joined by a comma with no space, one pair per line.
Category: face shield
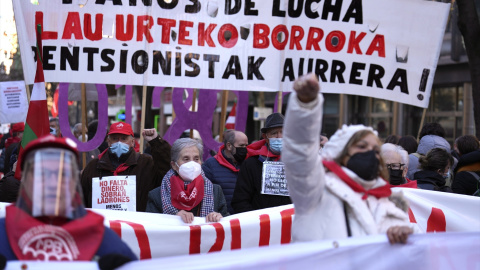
50,185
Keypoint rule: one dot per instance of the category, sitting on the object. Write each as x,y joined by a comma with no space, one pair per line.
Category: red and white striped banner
158,235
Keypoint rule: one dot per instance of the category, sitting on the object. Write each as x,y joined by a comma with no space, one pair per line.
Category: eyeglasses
395,166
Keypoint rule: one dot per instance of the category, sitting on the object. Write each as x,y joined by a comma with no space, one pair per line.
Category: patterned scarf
186,197
166,189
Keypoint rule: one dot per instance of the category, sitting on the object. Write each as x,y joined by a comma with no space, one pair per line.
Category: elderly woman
185,191
341,193
396,160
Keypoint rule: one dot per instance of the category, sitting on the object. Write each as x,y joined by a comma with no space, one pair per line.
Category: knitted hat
339,140
18,127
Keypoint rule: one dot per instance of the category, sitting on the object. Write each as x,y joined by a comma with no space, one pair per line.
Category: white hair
388,148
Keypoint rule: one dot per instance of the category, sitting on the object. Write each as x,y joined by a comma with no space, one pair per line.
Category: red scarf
409,184
186,199
379,192
223,161
260,148
31,239
122,167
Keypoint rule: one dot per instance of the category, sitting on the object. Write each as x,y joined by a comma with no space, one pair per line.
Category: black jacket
465,182
431,180
149,172
247,196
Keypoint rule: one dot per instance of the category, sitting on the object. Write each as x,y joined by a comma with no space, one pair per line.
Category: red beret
121,128
48,141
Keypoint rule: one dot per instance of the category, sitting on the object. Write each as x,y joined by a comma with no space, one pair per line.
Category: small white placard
273,179
115,193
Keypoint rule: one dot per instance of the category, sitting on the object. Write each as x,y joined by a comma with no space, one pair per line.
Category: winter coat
431,180
427,143
222,176
465,182
155,205
322,201
9,186
247,196
149,171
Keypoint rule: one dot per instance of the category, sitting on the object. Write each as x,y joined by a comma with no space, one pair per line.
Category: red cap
48,141
18,127
121,128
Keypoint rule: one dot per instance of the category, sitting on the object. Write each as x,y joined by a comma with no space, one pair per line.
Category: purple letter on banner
102,118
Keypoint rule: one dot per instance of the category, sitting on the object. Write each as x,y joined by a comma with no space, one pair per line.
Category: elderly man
48,221
396,160
120,159
248,194
223,168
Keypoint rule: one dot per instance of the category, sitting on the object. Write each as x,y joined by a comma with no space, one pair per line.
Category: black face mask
240,154
396,176
365,165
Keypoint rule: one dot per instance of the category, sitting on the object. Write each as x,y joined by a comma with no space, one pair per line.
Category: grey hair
388,148
182,143
229,137
78,128
54,119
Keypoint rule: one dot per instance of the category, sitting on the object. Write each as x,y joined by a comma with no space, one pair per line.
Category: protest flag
230,123
37,123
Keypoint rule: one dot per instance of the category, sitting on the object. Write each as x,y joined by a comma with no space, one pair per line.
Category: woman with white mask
185,191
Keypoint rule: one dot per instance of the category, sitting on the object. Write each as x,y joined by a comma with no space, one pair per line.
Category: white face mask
189,171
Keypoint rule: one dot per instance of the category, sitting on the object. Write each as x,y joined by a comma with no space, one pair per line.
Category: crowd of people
340,185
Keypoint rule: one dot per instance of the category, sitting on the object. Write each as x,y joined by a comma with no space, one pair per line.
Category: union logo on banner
48,243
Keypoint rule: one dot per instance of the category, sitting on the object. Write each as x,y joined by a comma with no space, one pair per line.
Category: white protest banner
381,48
115,193
158,235
439,251
14,103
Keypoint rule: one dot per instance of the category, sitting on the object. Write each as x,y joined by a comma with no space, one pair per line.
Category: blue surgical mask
275,145
447,175
119,148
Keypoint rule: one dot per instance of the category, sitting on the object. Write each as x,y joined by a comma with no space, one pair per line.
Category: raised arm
301,135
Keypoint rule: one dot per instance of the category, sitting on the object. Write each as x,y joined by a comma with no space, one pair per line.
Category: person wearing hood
121,159
431,136
185,190
340,193
223,168
248,195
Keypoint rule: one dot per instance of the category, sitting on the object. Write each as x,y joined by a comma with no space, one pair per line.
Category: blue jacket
222,176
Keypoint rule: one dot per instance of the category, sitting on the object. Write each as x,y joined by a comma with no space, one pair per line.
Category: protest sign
273,179
14,104
380,48
115,193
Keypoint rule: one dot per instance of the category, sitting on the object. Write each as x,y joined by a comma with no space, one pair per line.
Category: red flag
230,123
37,123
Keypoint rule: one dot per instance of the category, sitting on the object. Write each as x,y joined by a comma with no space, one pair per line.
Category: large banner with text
380,48
157,235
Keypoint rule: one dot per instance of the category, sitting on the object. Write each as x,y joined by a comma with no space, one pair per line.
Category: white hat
339,140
